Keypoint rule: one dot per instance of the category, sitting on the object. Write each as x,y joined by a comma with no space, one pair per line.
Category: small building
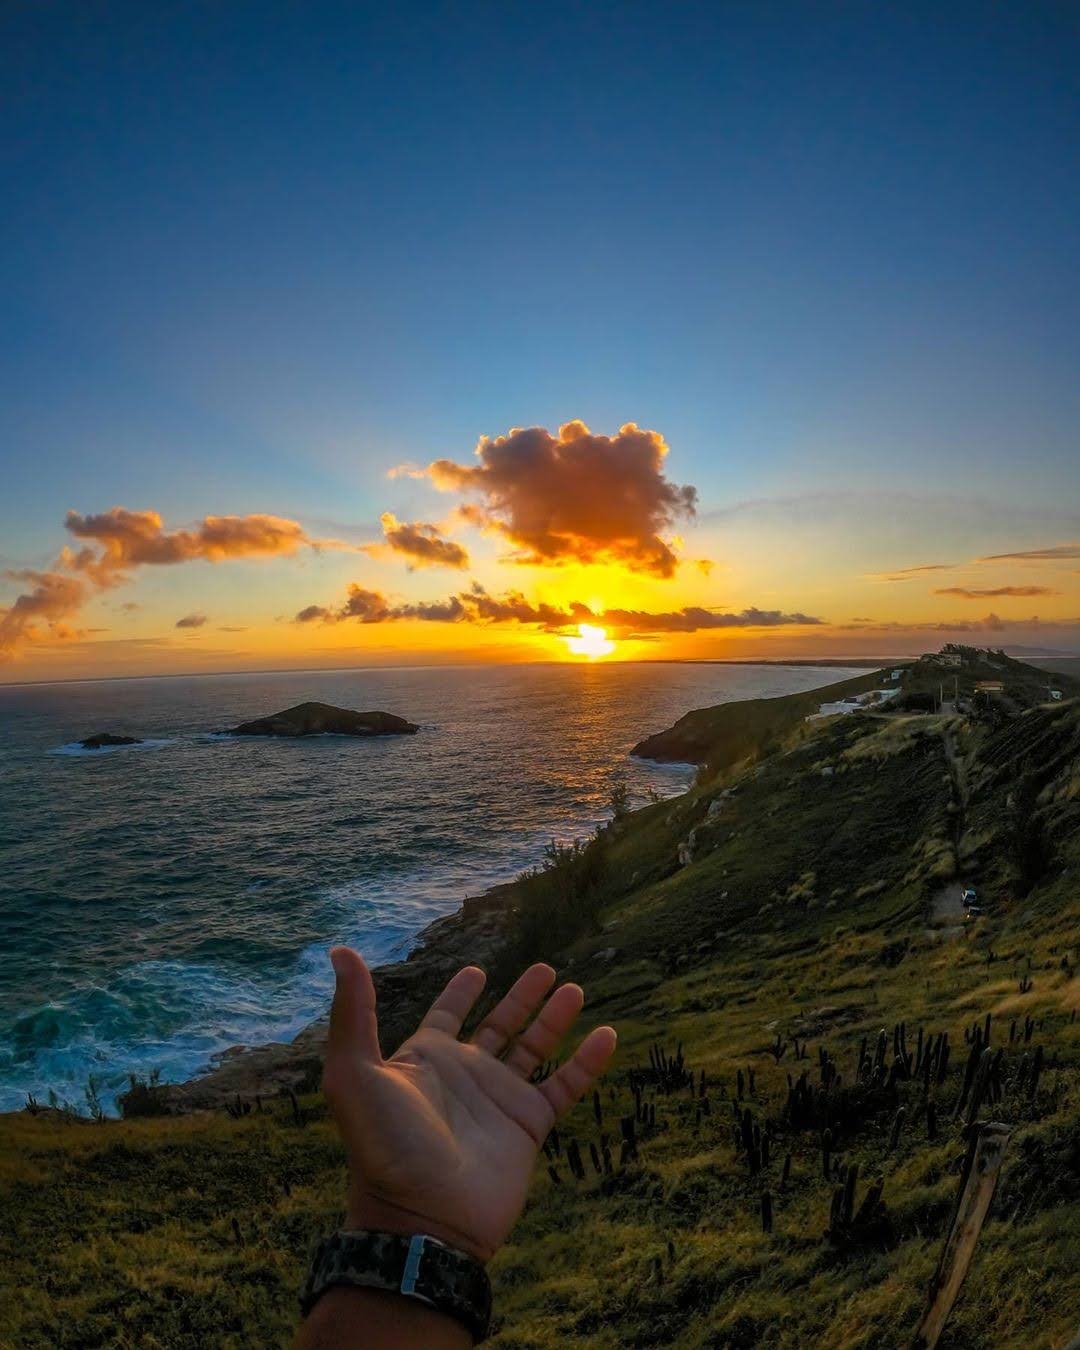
1055,694
989,687
896,674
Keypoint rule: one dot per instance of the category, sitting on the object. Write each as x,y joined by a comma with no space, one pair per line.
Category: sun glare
591,641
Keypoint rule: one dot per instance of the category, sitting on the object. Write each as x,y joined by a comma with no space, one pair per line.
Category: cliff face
323,719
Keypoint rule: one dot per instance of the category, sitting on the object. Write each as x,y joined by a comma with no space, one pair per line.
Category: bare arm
442,1137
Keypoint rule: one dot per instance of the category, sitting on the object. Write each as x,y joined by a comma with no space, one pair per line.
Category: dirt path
947,905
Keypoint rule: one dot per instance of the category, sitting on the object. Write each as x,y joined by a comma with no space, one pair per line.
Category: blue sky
255,254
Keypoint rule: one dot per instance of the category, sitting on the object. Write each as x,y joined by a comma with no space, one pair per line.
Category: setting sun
591,641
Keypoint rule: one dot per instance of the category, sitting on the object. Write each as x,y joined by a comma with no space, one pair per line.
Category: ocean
162,902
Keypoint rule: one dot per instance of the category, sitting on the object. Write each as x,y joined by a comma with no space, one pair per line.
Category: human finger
353,1023
541,1038
452,1006
569,1083
512,1012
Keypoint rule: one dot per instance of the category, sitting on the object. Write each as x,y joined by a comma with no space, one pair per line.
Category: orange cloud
191,621
52,598
574,497
423,545
965,593
477,606
125,540
135,538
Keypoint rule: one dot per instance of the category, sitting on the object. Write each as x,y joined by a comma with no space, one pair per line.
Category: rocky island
100,739
323,719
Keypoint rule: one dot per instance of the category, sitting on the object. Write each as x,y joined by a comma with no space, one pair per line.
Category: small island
101,739
323,719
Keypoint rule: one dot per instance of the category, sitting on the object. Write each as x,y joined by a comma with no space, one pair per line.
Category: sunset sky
336,334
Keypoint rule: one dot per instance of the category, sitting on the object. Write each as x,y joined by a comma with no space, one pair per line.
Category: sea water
162,902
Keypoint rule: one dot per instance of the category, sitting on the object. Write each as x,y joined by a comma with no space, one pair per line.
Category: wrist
367,1210
343,1315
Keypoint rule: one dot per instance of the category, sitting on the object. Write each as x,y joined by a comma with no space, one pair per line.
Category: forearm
351,1319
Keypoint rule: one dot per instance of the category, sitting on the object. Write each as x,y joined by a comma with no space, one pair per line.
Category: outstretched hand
441,1138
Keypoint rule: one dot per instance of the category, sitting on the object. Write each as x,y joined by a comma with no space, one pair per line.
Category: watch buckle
413,1257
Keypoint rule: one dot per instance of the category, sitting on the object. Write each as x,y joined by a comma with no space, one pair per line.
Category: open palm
441,1138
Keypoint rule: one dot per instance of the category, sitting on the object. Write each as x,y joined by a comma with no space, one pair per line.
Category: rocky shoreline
475,933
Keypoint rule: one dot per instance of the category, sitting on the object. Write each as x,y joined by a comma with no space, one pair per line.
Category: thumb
354,1028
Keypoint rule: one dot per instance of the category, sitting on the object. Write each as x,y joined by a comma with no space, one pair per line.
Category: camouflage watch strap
419,1267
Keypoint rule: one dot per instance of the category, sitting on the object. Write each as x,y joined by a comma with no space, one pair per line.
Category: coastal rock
100,739
686,849
476,933
323,719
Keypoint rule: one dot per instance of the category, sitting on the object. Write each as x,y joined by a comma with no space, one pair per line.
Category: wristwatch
419,1267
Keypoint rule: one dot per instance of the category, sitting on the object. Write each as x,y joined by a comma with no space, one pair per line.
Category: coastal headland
803,1006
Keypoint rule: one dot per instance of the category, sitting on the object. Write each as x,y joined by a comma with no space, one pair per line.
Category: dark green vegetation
717,737
772,922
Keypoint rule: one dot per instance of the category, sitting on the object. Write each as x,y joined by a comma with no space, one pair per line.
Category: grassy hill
769,923
723,735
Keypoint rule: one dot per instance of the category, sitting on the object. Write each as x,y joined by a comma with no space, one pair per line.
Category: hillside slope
768,924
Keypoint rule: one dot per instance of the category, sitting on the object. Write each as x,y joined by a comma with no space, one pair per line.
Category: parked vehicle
969,897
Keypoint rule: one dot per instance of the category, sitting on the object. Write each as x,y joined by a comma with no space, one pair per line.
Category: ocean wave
159,914
76,749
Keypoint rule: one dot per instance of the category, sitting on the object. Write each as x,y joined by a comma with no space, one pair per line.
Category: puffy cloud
993,592
575,496
422,545
479,607
51,598
128,539
367,606
191,621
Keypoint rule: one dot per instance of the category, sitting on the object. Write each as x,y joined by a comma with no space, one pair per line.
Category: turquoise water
160,903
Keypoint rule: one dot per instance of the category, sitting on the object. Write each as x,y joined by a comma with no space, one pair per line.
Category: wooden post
986,1153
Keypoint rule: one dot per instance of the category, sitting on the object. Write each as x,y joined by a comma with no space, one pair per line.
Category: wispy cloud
989,623
909,573
993,592
1056,553
191,621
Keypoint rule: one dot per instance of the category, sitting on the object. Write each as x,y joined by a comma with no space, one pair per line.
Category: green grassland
801,908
